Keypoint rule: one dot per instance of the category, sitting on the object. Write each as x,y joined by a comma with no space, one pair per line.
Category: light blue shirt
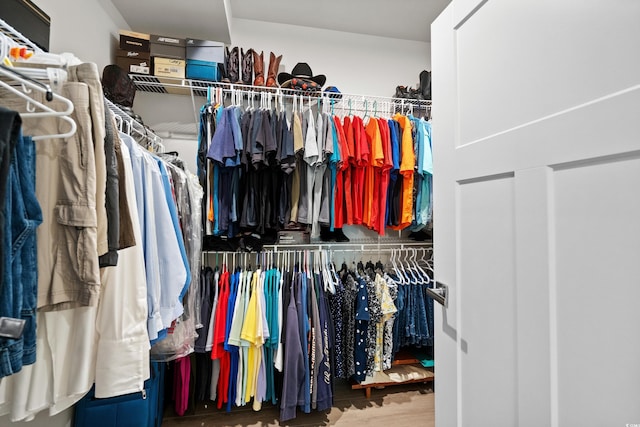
427,153
165,278
173,211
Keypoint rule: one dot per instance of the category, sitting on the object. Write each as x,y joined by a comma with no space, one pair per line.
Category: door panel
535,51
537,165
487,275
597,275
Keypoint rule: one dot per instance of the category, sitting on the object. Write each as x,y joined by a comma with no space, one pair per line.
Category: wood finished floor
408,405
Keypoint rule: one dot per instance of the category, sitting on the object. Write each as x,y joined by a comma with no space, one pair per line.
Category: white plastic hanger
27,87
396,269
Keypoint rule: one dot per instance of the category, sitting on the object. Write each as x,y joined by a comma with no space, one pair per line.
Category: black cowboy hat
302,70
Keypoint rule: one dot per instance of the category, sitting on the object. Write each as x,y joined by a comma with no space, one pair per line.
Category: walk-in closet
298,213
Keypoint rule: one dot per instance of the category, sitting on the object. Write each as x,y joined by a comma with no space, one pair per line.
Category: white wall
354,63
87,28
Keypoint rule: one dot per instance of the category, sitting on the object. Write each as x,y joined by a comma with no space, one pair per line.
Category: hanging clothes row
119,240
266,169
283,326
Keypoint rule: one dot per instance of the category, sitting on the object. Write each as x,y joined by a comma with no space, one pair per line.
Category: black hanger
344,267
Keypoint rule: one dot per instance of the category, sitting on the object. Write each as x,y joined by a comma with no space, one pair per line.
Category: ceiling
213,19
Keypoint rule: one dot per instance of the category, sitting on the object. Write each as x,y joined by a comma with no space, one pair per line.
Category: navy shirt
362,323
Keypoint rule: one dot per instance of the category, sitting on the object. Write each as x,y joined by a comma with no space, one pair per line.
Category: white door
537,212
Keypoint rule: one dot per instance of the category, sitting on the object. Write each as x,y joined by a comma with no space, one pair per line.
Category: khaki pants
68,272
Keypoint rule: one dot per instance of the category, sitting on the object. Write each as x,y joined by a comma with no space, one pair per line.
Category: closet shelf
382,380
190,87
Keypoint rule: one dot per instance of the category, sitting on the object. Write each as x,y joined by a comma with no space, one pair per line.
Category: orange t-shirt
376,162
407,166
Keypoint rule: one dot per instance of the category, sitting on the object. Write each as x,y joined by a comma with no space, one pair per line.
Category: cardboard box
167,47
168,67
133,62
205,50
132,41
202,70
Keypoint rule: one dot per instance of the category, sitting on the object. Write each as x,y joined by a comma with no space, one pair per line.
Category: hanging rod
199,87
335,247
137,127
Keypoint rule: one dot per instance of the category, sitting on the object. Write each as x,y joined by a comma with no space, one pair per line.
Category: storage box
202,70
130,40
168,67
142,409
293,237
133,62
205,50
167,47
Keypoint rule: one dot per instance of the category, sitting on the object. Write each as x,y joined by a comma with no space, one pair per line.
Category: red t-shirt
347,161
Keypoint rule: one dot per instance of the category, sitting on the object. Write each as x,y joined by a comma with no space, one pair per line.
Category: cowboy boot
247,66
258,68
233,65
425,84
222,68
274,63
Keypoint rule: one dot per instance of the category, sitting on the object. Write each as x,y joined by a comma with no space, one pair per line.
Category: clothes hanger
403,279
426,276
366,110
118,120
282,109
29,85
407,267
413,267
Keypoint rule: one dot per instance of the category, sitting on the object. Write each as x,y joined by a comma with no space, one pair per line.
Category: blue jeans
18,293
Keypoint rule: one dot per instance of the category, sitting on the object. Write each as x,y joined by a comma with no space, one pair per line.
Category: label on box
168,40
139,69
293,237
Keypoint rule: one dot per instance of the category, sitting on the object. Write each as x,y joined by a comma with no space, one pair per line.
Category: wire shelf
10,37
16,38
343,101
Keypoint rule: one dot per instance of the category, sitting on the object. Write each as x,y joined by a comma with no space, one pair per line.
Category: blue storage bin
202,70
142,409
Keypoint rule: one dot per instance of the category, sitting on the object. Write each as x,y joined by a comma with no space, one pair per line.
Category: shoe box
133,41
168,47
205,50
202,70
203,57
168,67
134,62
168,56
